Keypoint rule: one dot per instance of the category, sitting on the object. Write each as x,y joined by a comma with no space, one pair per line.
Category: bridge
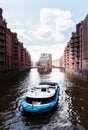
58,67
34,67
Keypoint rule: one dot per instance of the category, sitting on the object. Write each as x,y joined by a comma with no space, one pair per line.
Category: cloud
50,28
45,32
55,18
52,23
41,35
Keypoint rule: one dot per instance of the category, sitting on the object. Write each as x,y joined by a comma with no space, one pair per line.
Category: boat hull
38,109
40,112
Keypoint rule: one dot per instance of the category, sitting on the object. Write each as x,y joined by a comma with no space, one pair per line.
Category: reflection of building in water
45,62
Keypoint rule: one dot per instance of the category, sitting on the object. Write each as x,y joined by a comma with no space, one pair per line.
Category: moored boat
41,98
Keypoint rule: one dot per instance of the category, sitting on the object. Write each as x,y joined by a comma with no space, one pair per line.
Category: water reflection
38,121
71,113
78,94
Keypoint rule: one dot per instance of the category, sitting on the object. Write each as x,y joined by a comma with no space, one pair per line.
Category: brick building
76,51
13,55
2,42
45,62
85,44
9,52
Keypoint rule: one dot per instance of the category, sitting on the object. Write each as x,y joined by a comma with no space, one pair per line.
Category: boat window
47,100
28,100
43,89
40,100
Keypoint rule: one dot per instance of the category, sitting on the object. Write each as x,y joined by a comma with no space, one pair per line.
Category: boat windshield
39,100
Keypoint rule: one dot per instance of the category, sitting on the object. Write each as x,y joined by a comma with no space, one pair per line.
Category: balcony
72,45
2,58
77,55
16,55
2,38
2,31
16,51
77,40
77,48
72,58
15,47
2,51
15,42
72,50
2,68
77,51
2,25
77,62
72,53
16,59
1,61
77,45
2,44
67,56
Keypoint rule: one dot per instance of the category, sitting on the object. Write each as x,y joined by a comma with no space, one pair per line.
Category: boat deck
41,91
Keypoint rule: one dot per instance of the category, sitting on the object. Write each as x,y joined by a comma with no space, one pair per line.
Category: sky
44,26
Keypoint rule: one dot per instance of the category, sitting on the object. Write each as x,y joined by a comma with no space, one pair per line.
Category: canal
71,113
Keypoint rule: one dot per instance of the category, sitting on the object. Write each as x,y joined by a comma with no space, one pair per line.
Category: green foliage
37,63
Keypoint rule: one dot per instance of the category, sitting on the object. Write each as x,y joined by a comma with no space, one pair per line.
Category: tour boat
41,98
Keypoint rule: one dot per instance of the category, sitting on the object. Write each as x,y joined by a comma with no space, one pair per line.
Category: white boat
41,98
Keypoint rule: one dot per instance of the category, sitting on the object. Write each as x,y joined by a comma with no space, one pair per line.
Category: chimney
1,15
1,12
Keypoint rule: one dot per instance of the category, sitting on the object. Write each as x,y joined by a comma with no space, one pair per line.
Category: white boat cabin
41,94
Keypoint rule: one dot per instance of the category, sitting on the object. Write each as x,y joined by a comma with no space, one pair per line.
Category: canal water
70,114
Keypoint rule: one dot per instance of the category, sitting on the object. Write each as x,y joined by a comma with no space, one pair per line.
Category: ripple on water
71,113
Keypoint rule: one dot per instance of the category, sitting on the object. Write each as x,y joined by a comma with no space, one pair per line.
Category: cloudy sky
44,26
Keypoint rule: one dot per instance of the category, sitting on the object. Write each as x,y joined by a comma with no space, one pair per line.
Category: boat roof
42,86
48,83
41,91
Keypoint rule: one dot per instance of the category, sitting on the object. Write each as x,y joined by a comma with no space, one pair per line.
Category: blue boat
41,98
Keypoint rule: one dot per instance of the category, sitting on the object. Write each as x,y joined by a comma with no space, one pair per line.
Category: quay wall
79,74
10,74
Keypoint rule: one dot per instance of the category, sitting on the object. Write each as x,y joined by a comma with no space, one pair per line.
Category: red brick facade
13,55
76,51
85,44
2,42
45,61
